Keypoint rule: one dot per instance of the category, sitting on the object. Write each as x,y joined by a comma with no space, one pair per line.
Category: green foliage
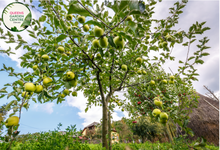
135,39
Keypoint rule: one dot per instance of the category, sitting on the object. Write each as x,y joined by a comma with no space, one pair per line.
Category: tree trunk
169,134
109,129
104,125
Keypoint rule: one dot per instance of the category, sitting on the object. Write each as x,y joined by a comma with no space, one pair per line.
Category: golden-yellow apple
164,81
158,102
163,116
124,67
70,75
61,49
66,92
35,67
156,112
46,81
26,95
39,88
152,82
29,87
45,57
12,121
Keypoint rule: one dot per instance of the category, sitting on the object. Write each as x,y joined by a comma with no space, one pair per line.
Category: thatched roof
92,124
204,120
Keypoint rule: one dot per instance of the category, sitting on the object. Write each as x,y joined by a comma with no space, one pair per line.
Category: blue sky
45,117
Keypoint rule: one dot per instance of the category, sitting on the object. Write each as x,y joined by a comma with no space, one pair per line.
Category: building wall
115,137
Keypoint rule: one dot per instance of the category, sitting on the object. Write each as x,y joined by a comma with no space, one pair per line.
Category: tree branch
93,14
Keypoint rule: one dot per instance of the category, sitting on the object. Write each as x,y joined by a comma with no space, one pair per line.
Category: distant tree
123,129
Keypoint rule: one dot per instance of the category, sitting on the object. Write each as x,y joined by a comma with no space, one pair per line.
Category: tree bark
169,134
104,125
109,130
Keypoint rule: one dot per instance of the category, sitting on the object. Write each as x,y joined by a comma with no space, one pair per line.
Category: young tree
82,48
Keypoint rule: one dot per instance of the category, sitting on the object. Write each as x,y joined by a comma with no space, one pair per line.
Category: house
114,136
92,128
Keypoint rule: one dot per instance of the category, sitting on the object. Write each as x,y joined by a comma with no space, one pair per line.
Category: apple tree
79,46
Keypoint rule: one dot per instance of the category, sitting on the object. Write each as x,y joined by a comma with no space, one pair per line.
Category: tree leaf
111,42
77,9
42,18
134,5
60,37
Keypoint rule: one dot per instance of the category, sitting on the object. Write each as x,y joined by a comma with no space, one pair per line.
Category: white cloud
10,112
93,114
47,107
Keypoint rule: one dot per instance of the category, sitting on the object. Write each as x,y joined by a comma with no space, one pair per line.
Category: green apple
156,112
81,19
46,81
119,42
139,60
164,44
29,87
35,67
171,82
139,72
61,49
162,121
164,81
95,43
12,121
116,61
73,83
66,92
86,28
25,104
161,45
103,42
68,53
70,75
163,116
152,82
98,56
69,17
144,72
168,37
158,103
74,93
147,36
129,18
45,57
172,78
62,95
98,31
26,95
39,88
124,67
